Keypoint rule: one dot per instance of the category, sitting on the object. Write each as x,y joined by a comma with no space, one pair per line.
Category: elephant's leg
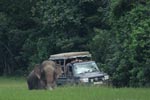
42,84
29,85
53,84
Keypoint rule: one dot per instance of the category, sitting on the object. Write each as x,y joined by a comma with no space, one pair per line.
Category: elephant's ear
37,71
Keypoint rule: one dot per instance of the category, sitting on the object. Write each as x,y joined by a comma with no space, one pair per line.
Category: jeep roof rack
69,55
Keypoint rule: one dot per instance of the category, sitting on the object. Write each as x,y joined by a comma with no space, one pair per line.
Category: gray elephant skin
44,75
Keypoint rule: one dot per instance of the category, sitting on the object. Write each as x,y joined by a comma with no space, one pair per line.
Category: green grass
16,89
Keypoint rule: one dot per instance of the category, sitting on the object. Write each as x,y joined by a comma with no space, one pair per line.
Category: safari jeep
78,68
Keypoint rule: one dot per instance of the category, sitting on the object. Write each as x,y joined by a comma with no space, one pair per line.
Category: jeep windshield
85,67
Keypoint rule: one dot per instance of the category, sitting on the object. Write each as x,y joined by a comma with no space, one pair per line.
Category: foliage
15,26
132,38
125,47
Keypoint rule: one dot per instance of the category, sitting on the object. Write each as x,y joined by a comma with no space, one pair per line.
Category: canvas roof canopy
69,55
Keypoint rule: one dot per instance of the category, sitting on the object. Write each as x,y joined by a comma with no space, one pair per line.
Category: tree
16,22
132,38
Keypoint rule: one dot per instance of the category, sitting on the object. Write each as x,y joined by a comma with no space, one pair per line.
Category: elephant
44,75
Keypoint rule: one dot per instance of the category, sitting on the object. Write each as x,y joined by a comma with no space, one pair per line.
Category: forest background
116,32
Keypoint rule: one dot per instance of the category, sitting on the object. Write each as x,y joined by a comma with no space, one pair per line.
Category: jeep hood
91,74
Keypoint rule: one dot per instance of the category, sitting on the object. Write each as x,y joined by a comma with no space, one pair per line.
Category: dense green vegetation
116,32
16,89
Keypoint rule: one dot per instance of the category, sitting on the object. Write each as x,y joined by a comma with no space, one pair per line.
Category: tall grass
16,89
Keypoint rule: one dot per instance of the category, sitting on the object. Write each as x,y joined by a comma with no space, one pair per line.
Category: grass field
16,89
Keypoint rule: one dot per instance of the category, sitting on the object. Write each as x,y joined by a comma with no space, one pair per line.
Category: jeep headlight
106,77
84,80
